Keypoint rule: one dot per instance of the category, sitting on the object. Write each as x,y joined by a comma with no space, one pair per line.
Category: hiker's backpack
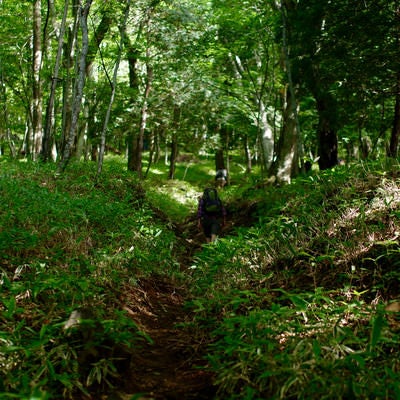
212,203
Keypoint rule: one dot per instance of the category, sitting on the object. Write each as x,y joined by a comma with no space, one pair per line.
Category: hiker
221,178
211,214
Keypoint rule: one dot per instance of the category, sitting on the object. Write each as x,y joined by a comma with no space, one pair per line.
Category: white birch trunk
37,101
47,150
266,137
80,84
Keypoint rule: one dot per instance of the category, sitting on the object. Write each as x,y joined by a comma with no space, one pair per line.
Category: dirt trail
168,368
171,366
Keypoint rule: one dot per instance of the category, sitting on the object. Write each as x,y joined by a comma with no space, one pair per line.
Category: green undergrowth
291,301
294,307
72,243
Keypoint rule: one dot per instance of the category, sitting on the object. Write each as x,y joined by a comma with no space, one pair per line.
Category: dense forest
116,115
288,84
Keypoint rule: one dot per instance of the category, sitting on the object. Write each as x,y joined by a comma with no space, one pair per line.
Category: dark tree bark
326,134
394,138
5,131
219,160
132,55
174,142
98,37
173,157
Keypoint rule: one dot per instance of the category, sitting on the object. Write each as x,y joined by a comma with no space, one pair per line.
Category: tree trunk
4,122
80,83
132,142
247,154
134,86
157,147
113,88
135,149
68,63
266,138
98,36
219,159
173,157
47,136
37,101
151,153
174,142
326,134
394,138
135,142
286,164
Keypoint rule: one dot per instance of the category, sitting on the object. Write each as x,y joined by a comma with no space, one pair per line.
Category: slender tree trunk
157,139
80,83
247,154
143,116
66,113
151,154
394,138
68,55
266,138
174,142
136,146
219,154
132,56
219,159
113,88
326,133
227,163
47,136
289,148
37,101
5,131
173,157
327,122
286,164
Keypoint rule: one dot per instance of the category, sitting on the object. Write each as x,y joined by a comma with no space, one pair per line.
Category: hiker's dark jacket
201,212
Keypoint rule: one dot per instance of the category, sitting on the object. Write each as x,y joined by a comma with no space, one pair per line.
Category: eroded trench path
171,366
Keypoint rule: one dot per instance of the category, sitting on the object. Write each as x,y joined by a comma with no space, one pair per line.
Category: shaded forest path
170,367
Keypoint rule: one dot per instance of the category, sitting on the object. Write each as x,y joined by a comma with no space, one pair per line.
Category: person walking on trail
211,214
221,177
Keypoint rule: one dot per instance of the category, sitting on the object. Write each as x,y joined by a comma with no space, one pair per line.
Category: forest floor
167,368
172,366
